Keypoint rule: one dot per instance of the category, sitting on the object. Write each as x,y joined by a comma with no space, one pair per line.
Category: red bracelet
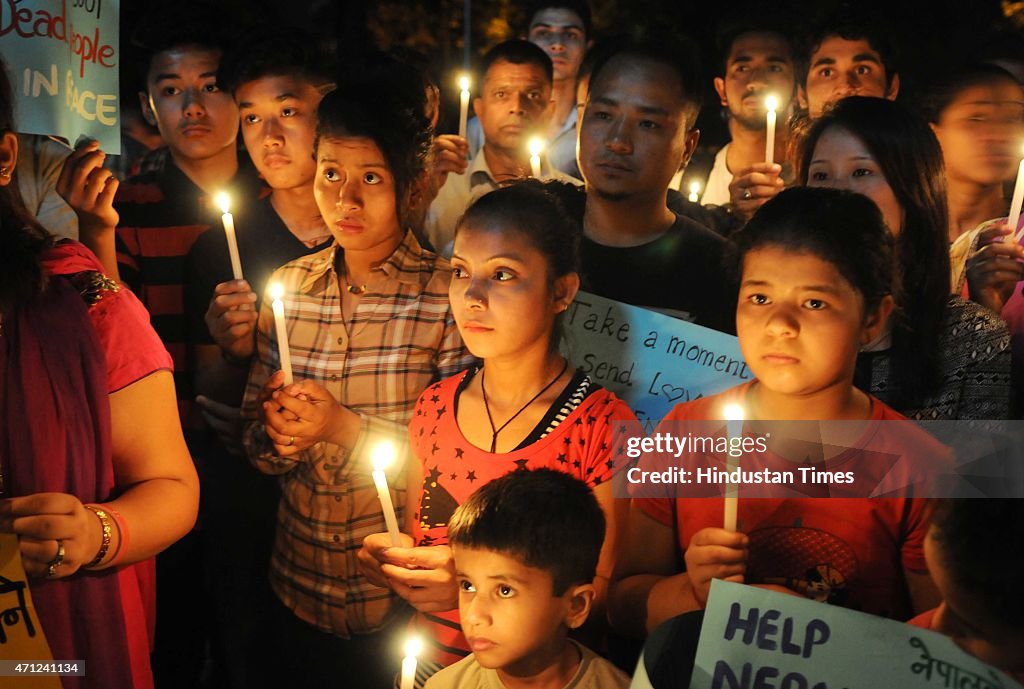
122,529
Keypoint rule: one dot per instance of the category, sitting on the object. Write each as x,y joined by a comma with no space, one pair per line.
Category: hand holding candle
413,647
383,457
224,201
463,104
277,294
734,429
536,147
694,192
772,104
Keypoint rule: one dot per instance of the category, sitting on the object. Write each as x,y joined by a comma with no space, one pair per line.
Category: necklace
353,289
487,406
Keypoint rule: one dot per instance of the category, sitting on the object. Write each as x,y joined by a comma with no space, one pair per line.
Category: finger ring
746,194
57,561
291,440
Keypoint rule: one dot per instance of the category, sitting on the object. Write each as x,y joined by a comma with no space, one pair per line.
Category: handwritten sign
757,638
21,637
63,58
650,360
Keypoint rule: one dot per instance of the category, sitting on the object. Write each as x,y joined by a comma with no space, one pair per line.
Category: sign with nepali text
63,58
753,637
21,636
650,360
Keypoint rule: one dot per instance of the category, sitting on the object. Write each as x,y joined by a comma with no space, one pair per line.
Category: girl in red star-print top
514,272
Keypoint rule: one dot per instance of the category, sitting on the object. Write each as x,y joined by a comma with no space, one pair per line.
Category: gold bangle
105,542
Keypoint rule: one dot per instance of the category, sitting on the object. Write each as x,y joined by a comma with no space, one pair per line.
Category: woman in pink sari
95,478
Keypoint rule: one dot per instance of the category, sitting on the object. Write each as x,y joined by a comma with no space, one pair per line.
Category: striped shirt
162,213
401,338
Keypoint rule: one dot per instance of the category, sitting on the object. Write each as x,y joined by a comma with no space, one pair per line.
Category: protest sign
21,636
752,637
650,360
63,59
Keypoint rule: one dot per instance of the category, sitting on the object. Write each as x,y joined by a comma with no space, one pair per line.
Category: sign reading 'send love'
650,360
63,59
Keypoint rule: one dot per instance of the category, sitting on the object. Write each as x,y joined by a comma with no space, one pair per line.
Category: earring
5,172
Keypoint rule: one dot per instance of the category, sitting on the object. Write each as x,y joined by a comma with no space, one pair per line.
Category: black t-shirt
264,244
681,273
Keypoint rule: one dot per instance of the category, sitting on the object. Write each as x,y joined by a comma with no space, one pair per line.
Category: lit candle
694,192
413,647
383,456
224,201
734,429
277,293
536,147
1016,203
772,103
463,104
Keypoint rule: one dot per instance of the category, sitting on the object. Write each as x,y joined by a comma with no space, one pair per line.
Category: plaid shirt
401,338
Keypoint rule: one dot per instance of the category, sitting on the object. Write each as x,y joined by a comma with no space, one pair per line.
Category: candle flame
224,201
694,187
733,412
276,291
464,82
383,455
413,646
536,146
771,102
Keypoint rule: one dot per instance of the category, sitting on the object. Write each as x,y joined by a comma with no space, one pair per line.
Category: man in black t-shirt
637,132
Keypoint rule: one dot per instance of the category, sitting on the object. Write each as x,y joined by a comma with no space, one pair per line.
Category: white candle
463,104
1016,203
413,647
277,293
536,147
694,192
772,103
383,456
734,429
224,201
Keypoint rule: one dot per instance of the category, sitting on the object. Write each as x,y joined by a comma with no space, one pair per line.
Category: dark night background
930,35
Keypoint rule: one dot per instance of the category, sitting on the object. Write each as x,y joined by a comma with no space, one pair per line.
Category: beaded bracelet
107,529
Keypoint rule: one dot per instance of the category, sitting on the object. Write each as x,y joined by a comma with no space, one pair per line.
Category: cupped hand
89,189
753,187
41,520
231,318
715,554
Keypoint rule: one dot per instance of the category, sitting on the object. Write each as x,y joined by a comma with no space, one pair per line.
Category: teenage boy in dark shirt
277,80
162,211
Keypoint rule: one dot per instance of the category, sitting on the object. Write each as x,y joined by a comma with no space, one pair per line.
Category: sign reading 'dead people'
63,58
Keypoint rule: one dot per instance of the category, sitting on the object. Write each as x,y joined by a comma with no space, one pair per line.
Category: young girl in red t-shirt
515,271
816,283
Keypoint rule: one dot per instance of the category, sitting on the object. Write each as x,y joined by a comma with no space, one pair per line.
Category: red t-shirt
846,551
453,468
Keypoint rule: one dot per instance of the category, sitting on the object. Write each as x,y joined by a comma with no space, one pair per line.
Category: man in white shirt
756,61
514,105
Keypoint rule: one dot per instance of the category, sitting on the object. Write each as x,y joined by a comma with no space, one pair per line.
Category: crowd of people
867,270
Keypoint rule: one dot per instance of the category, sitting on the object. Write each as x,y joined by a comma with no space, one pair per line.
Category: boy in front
526,548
